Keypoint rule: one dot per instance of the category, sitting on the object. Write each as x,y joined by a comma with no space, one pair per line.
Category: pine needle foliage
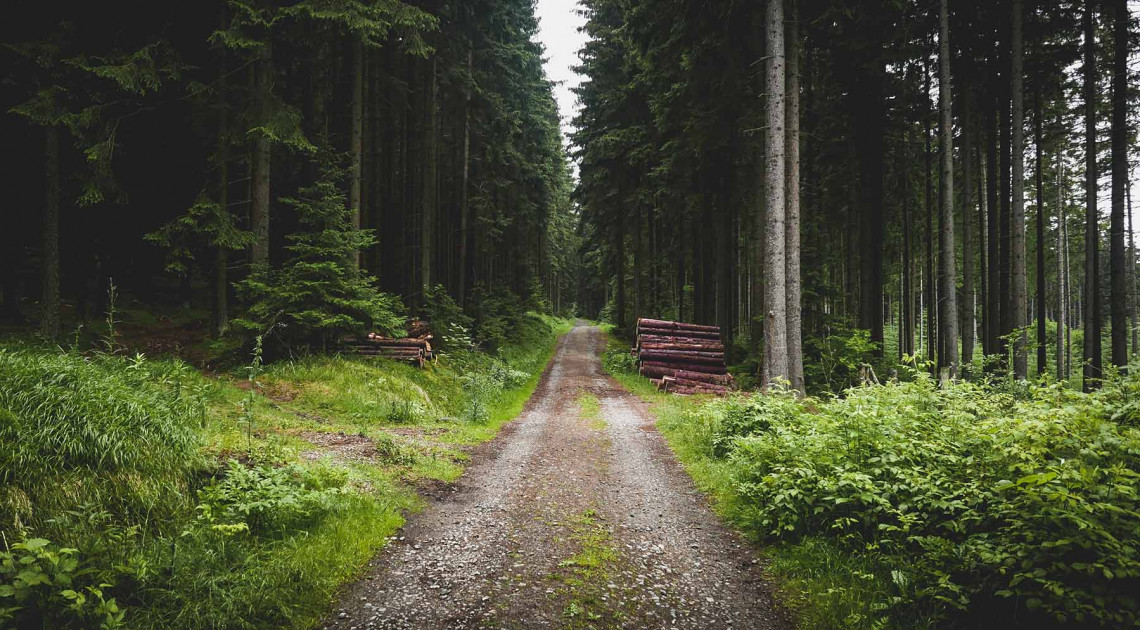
319,295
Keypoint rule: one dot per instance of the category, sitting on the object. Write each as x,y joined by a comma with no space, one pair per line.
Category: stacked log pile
414,350
682,358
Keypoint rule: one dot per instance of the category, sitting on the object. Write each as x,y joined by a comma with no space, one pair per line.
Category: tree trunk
1118,310
465,193
906,327
1091,297
928,292
357,138
430,183
993,238
792,218
949,315
1042,342
1132,287
220,320
1062,307
1019,297
967,239
983,241
775,286
49,300
260,164
619,255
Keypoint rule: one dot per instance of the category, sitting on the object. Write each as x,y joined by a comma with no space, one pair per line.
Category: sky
558,24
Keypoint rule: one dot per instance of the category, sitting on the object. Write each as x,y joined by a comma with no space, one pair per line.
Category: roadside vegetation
140,492
909,505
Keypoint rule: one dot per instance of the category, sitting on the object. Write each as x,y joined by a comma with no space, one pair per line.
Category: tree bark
50,300
775,286
1132,288
260,164
993,236
1042,342
928,293
967,238
792,218
949,315
1062,306
1091,297
1118,309
430,183
465,193
221,320
1019,296
357,138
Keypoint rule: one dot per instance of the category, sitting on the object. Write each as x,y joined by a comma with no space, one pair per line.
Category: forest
283,283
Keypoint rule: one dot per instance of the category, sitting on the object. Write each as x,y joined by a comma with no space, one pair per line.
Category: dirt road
576,516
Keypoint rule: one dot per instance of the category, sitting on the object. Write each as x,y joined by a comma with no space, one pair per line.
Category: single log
412,343
687,391
676,356
674,339
697,347
670,332
691,367
656,371
661,323
701,377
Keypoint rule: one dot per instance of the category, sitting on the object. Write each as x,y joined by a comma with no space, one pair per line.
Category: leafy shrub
998,506
450,325
833,361
619,361
42,584
264,499
497,313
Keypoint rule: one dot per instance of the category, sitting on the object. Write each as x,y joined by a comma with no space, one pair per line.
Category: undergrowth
138,492
907,505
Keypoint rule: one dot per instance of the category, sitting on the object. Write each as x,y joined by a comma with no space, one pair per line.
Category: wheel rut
569,519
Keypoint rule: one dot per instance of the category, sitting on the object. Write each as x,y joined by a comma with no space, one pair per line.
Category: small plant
111,337
44,584
253,370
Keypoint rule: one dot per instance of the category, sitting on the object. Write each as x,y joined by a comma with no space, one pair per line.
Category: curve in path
571,518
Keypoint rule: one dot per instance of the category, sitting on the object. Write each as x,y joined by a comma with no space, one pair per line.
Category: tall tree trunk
967,239
619,255
775,285
906,328
1118,310
49,300
928,293
260,164
357,137
993,236
221,320
792,218
1005,157
465,192
949,316
430,206
1062,307
1132,286
638,264
1042,342
1020,298
1092,350
983,240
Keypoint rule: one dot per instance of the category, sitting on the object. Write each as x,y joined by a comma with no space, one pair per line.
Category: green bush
985,504
449,324
268,500
42,584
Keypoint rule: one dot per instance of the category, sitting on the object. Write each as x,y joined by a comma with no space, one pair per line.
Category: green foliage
267,500
980,502
833,361
44,584
497,314
205,223
66,412
451,327
319,294
619,361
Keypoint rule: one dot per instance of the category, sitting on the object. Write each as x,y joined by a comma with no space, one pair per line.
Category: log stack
682,358
414,350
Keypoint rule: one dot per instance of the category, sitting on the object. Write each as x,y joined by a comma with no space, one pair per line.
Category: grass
585,574
133,486
590,410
